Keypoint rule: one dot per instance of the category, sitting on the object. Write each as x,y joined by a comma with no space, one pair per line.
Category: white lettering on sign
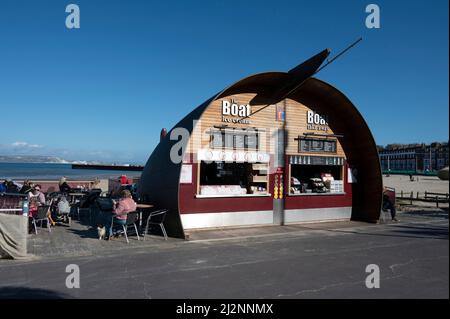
315,121
232,108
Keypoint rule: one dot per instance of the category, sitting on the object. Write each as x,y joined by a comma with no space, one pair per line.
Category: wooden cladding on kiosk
218,130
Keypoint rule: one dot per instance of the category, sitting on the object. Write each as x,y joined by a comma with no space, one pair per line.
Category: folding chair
157,218
42,215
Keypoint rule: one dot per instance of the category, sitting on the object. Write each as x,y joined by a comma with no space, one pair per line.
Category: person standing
388,204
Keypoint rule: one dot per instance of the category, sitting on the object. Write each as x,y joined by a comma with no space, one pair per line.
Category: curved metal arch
357,141
160,173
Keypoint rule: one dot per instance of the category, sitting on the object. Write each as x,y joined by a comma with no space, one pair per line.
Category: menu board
217,138
239,141
317,145
229,140
234,140
251,141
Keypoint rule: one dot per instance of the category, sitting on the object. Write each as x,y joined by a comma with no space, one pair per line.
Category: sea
44,171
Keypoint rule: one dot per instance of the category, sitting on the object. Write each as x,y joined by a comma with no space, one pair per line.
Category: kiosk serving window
316,175
220,178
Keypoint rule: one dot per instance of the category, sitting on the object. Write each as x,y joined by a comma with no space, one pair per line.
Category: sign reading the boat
234,112
315,121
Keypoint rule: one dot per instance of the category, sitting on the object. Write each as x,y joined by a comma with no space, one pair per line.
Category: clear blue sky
105,90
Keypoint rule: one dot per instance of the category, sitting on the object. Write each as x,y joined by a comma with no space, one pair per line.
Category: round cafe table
140,208
74,196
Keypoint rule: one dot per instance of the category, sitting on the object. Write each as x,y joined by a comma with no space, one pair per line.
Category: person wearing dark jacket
26,188
63,186
3,187
388,204
11,187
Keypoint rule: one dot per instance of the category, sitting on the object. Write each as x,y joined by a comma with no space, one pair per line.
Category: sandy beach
420,184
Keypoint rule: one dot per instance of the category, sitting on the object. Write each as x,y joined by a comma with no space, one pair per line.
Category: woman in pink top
125,205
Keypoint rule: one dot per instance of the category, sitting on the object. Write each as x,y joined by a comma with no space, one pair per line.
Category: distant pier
134,168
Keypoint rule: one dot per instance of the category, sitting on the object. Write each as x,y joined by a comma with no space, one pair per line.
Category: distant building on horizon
414,158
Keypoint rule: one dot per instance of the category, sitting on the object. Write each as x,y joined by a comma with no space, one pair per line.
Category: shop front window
221,178
309,179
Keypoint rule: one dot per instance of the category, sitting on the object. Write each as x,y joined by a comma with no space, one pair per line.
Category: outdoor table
140,208
74,195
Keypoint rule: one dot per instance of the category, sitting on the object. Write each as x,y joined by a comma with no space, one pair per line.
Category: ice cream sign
234,112
316,122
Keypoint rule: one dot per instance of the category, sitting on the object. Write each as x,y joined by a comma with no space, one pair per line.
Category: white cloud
19,144
21,148
25,145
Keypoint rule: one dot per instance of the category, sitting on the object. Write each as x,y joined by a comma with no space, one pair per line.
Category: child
32,211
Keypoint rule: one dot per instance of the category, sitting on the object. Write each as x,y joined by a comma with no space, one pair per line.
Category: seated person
11,187
63,186
32,211
3,187
387,204
63,208
125,205
33,207
26,188
39,197
36,192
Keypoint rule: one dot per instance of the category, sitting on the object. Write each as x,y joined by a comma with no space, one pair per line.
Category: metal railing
427,197
12,203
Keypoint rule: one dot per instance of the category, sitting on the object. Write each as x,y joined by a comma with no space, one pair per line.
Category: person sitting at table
11,187
36,192
63,209
3,187
125,205
63,186
32,211
39,197
27,187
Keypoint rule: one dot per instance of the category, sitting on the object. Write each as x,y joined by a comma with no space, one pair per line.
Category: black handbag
105,204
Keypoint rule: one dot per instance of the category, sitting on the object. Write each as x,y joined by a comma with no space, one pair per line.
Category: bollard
411,198
437,202
417,195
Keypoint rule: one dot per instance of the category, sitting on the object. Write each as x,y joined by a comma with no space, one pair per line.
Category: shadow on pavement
30,293
407,231
85,233
440,213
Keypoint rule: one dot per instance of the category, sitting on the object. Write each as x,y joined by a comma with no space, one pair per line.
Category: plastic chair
157,218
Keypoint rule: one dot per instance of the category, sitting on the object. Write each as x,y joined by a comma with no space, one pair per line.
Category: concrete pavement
306,261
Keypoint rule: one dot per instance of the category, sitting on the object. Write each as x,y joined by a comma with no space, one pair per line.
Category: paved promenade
326,260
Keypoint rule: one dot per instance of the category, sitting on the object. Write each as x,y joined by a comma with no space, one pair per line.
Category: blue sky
105,90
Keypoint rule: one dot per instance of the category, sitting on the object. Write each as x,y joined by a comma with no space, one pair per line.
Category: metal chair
132,218
157,218
42,215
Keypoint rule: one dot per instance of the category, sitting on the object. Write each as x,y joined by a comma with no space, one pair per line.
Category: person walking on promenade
388,204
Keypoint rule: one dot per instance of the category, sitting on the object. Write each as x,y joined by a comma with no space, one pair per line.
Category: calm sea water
20,171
